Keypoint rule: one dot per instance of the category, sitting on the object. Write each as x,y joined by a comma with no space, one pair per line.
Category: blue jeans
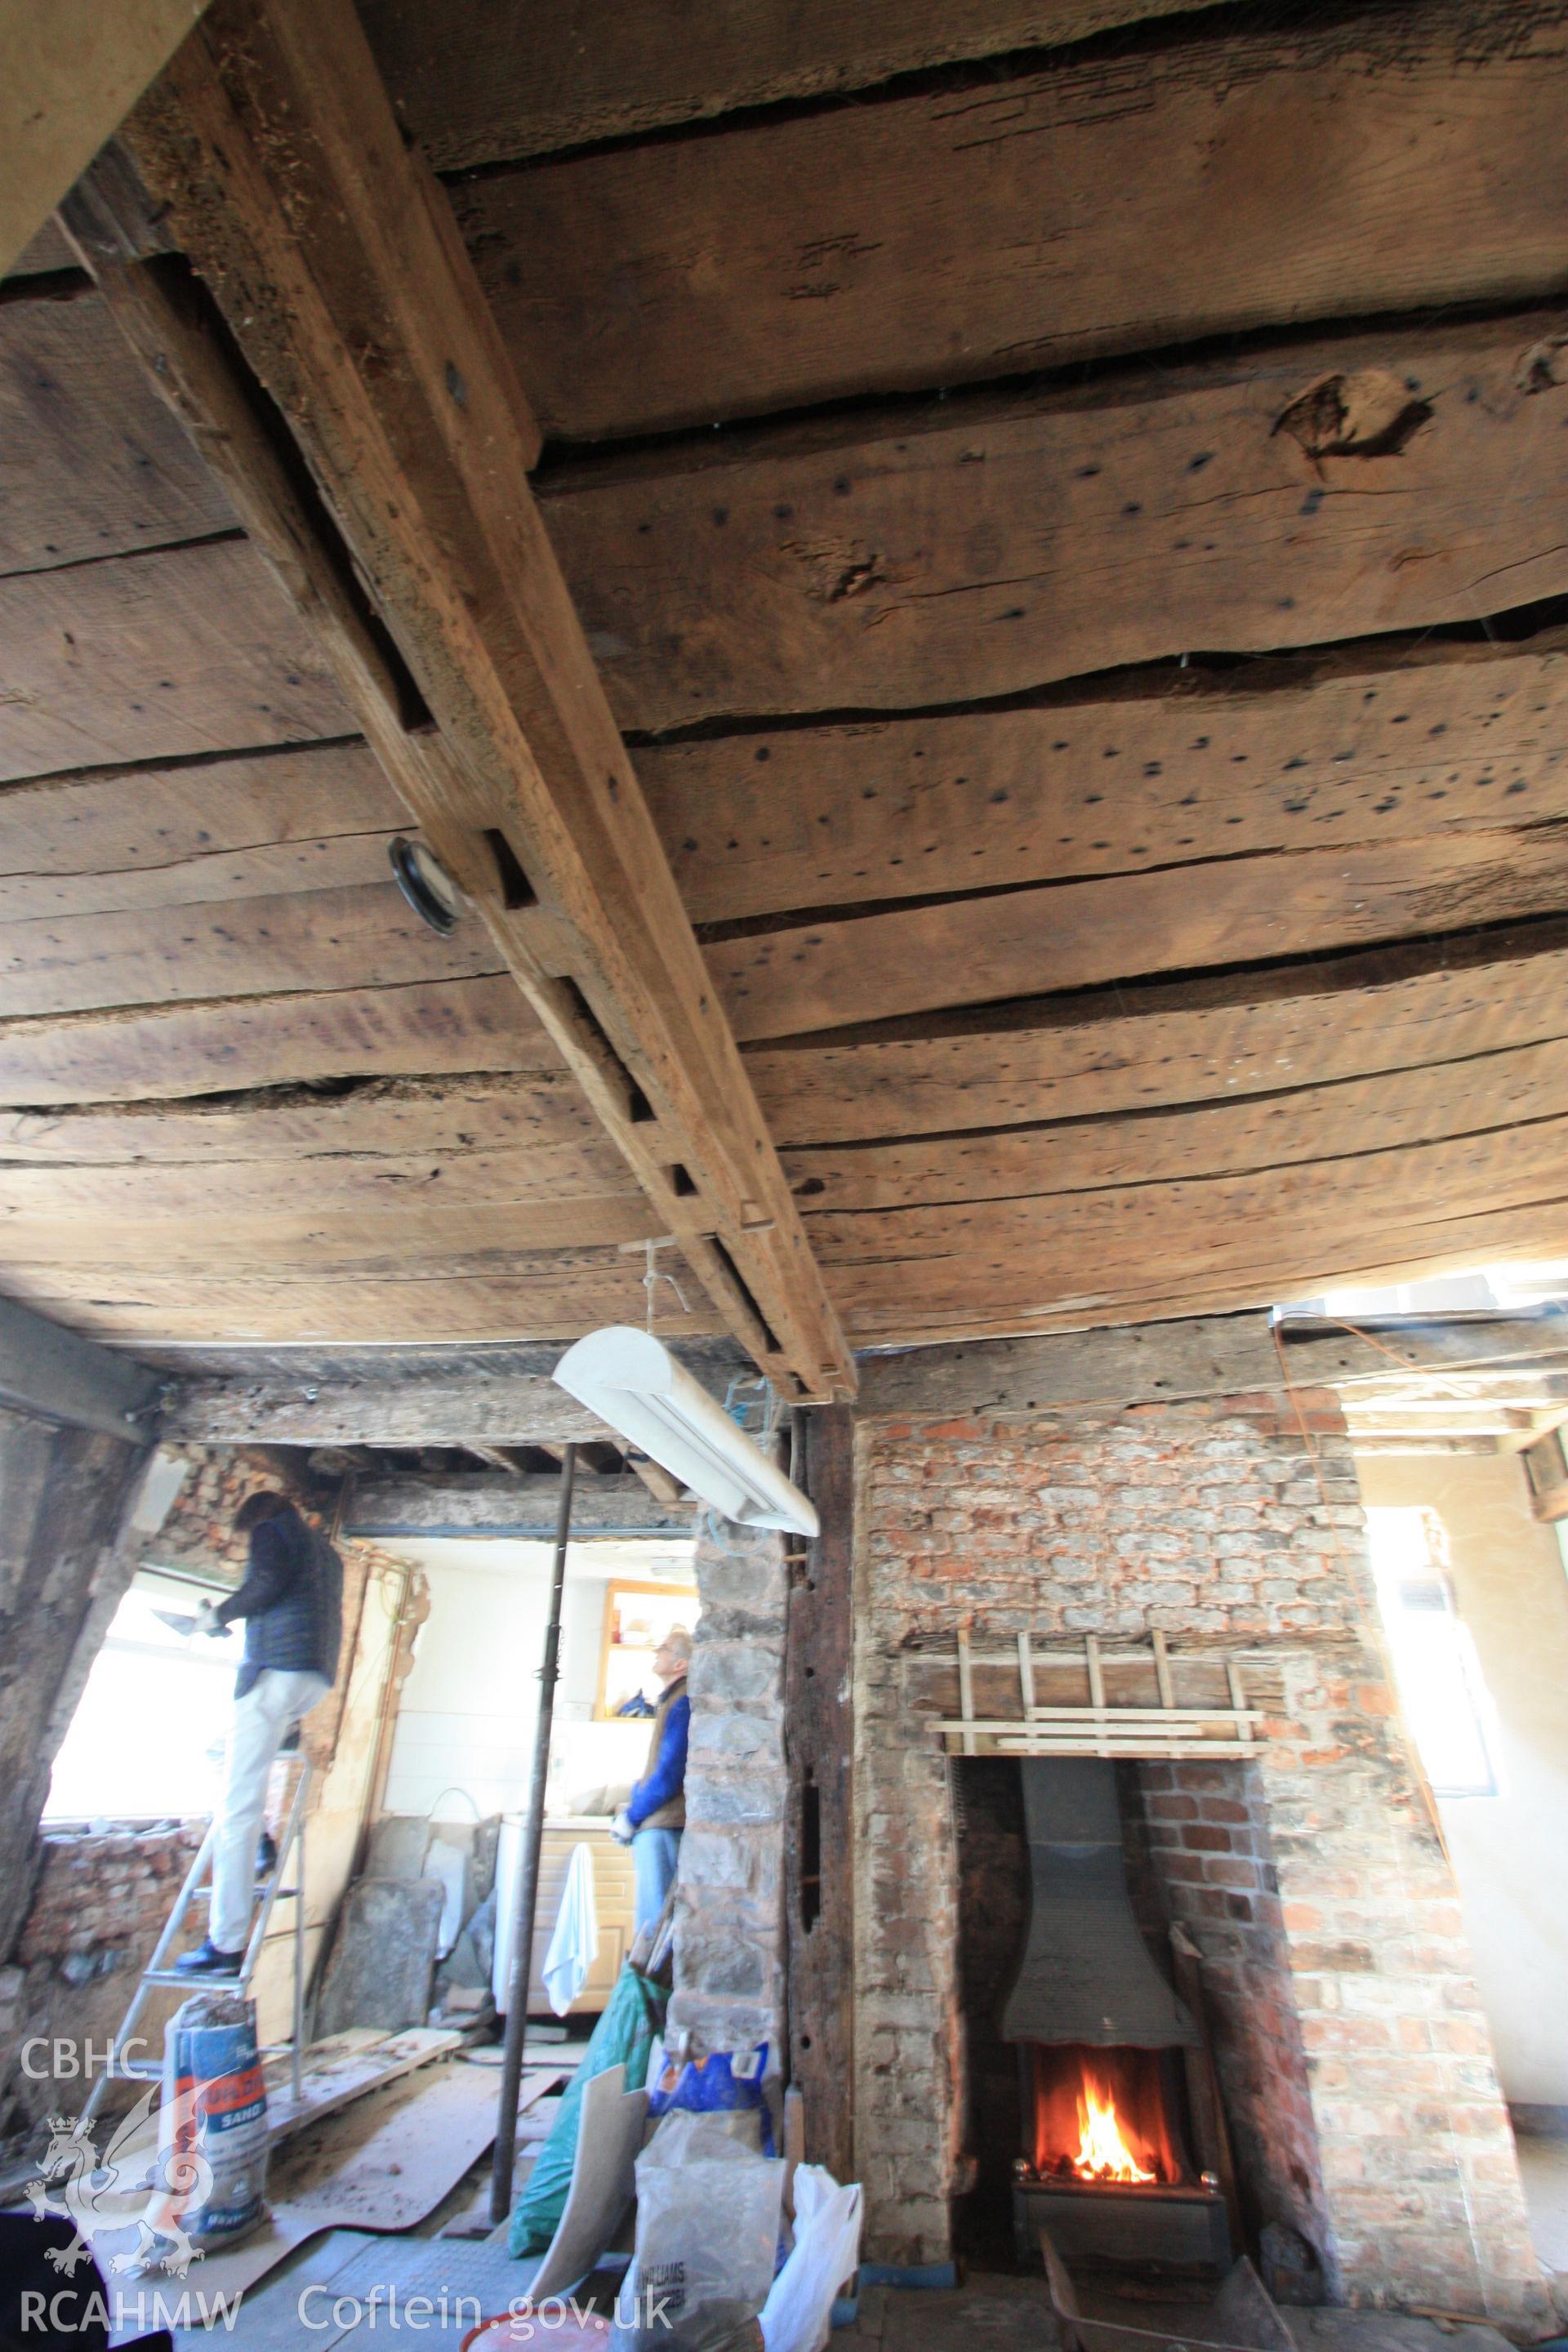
653,1870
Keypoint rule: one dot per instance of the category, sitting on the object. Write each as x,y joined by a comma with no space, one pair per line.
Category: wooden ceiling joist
272,148
1008,223
514,1297
1289,495
68,69
163,1052
822,974
536,1118
477,83
885,560
1402,740
1173,1044
1242,1134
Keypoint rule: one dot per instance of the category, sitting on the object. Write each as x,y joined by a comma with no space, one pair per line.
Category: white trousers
263,1719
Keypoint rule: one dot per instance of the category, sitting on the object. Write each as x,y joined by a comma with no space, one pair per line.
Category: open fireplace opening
1078,2049
1101,2116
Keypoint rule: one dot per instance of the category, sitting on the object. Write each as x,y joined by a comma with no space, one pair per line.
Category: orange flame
1102,2153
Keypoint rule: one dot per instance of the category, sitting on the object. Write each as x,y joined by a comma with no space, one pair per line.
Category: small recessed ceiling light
426,884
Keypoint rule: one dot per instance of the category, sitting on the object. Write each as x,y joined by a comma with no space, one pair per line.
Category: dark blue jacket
292,1602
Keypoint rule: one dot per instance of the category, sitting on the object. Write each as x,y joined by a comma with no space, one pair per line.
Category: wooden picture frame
616,1653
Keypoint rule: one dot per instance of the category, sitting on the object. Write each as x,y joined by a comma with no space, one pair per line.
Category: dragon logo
107,2201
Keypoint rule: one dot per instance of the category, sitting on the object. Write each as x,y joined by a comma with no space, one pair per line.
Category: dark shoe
266,1855
206,1960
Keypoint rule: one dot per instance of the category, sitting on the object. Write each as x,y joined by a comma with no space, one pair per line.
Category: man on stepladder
292,1602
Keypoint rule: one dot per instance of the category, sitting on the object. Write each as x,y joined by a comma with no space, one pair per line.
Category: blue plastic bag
711,2086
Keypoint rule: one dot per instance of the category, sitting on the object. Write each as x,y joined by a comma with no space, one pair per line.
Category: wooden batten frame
1164,1732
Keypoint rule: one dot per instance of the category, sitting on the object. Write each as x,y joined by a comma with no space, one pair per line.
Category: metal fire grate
1178,1724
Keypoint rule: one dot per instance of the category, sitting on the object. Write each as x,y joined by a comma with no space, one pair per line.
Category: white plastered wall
465,1729
1510,1852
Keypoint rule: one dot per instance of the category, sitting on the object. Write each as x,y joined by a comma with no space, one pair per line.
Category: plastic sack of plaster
798,2312
707,2237
622,2037
711,2086
210,2182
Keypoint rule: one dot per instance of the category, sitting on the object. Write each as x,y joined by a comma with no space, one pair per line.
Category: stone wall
729,1939
1213,1524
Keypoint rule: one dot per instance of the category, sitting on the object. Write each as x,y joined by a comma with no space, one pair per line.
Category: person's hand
623,1829
207,1618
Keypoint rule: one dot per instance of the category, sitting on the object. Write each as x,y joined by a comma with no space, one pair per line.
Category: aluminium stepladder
196,1887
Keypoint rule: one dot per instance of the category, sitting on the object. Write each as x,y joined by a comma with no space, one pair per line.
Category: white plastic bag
798,2312
707,2238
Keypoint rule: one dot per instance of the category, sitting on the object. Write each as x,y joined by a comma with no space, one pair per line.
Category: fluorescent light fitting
631,1380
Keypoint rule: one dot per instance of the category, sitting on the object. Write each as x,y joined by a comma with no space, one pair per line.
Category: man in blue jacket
292,1602
655,1814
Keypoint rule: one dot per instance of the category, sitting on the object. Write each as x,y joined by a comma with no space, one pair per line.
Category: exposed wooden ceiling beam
1332,1355
272,150
658,1482
68,69
494,1458
1215,1355
517,1409
60,1376
489,1504
477,83
1032,219
661,1486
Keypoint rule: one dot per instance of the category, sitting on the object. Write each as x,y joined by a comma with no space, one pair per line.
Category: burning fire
1100,2116
1102,2153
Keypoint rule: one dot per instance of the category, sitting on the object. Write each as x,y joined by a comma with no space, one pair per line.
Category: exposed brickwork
97,1907
197,1532
729,1943
1204,1838
1352,2041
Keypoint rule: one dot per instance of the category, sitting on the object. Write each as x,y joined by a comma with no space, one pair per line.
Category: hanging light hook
655,1275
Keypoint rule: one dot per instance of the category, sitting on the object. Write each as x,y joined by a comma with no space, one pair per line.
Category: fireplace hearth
1106,2169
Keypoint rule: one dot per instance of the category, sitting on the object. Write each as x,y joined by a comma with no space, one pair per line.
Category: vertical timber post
819,1834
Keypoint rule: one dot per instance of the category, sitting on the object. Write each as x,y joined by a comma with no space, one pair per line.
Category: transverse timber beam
489,1504
524,1409
68,69
58,1376
1203,1356
268,155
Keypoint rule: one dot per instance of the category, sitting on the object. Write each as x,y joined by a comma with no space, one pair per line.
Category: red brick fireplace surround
1353,2056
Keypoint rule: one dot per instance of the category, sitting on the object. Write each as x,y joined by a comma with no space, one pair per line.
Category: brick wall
1200,1833
99,1905
1344,1990
197,1532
